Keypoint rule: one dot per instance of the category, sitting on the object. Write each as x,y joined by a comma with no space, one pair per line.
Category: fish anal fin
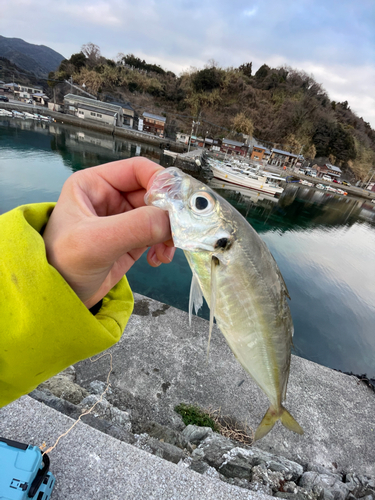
271,417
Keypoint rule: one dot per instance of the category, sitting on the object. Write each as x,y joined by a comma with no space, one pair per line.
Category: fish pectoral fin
271,417
214,265
195,298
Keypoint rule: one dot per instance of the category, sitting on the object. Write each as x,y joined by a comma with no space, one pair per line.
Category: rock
359,485
199,466
45,396
165,450
195,434
99,387
109,428
328,485
299,495
63,387
70,373
215,447
324,470
166,434
262,476
104,410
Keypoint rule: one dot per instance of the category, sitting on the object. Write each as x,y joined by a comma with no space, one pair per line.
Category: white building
91,109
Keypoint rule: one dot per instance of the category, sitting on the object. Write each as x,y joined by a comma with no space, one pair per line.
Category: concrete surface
162,362
90,465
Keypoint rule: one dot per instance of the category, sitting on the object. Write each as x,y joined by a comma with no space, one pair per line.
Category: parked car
326,178
313,173
337,181
346,183
4,98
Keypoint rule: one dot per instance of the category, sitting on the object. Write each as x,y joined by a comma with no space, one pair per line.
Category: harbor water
323,243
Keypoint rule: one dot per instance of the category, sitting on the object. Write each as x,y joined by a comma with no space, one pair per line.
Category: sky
333,40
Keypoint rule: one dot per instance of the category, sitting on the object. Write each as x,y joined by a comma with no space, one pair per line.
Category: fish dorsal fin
214,266
196,297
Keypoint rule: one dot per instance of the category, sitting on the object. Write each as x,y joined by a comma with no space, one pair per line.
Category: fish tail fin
271,417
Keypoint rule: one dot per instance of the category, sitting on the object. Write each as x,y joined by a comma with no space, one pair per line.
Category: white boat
247,177
5,112
252,194
17,114
29,116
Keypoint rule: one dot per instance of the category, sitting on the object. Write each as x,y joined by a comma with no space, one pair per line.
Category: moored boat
17,114
247,177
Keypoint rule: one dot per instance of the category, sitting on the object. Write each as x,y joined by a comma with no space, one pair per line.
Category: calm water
323,244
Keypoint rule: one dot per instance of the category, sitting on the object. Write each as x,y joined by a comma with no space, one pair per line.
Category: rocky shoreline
124,417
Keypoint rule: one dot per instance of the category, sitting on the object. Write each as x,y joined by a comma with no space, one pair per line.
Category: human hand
100,226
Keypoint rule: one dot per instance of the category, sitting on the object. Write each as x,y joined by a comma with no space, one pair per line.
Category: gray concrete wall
162,361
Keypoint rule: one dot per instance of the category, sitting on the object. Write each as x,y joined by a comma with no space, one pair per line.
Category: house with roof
260,153
233,147
282,158
328,169
154,124
92,109
128,113
182,138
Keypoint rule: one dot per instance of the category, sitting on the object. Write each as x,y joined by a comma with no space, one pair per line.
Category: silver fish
237,275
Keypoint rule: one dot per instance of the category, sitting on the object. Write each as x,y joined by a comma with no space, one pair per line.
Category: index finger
128,175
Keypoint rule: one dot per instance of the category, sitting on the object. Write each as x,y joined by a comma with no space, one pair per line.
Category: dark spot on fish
165,386
161,311
141,308
215,260
156,370
242,381
158,395
15,280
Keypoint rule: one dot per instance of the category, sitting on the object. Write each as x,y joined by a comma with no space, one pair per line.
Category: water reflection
323,243
297,207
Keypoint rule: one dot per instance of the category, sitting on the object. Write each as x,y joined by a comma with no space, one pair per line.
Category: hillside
10,71
282,107
37,59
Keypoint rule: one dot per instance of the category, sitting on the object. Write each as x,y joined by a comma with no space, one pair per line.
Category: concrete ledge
91,465
162,362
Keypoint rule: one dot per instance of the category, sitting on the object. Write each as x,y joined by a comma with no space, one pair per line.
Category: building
128,113
328,169
40,98
233,147
282,158
91,109
154,124
182,138
260,153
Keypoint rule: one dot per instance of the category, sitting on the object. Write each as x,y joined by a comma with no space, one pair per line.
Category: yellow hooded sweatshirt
44,326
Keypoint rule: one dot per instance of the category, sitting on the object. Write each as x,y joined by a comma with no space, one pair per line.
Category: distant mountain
37,59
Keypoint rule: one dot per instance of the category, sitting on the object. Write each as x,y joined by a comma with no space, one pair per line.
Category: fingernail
169,253
155,260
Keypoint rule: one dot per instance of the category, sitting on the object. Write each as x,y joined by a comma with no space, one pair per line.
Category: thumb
138,228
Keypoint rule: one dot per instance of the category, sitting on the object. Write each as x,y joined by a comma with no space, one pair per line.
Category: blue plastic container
24,472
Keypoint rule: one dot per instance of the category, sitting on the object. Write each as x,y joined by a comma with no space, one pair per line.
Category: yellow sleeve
44,326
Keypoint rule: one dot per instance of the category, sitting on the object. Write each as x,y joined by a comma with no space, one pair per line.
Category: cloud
335,41
250,12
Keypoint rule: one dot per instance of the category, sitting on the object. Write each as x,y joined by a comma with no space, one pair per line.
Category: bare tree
92,52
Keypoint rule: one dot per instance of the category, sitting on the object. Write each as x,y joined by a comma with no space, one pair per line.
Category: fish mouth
165,186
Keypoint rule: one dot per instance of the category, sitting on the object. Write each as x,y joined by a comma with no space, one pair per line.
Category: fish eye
202,203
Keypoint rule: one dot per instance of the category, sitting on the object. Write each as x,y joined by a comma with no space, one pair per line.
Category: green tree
246,68
206,80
